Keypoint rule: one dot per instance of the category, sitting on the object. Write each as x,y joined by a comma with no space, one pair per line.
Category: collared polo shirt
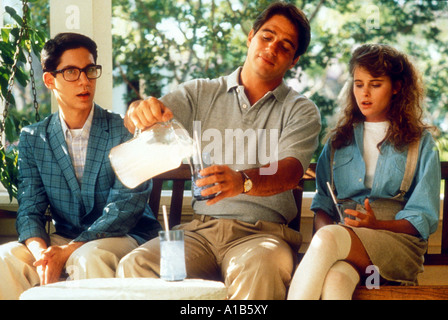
281,124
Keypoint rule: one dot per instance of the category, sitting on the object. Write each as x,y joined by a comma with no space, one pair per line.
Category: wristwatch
247,183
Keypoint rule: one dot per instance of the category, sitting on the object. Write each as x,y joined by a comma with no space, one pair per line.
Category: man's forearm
287,176
226,182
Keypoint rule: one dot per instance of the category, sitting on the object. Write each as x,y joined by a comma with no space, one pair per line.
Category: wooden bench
7,214
182,174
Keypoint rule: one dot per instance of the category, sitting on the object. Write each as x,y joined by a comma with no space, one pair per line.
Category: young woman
382,165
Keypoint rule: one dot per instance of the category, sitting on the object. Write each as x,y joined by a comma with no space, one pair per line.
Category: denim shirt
422,199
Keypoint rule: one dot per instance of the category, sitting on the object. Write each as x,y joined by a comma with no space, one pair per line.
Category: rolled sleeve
423,206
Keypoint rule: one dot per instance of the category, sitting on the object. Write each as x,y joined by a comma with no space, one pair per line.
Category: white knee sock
330,244
340,282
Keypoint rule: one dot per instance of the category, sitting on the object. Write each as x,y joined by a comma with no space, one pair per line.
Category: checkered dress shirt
77,141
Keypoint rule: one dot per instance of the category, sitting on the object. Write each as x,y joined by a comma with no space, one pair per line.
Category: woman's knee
330,234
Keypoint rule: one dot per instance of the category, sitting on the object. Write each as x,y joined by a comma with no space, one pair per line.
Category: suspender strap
411,165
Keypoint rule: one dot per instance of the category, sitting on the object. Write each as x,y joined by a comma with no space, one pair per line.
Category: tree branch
128,83
319,5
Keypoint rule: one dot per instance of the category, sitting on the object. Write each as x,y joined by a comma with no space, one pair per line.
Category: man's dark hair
293,14
54,48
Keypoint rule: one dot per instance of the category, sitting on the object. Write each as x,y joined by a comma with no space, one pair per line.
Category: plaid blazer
100,207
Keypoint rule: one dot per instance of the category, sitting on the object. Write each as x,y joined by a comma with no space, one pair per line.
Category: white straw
165,218
341,216
332,194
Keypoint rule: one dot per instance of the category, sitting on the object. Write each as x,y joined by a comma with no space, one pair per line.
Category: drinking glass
197,164
172,255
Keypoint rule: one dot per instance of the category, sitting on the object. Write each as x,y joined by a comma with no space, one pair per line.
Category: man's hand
230,182
36,247
52,261
224,180
50,264
143,114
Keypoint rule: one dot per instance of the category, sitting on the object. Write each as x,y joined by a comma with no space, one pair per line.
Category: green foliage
162,43
159,44
33,40
9,171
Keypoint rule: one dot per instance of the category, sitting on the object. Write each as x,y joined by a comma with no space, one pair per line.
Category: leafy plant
14,55
9,171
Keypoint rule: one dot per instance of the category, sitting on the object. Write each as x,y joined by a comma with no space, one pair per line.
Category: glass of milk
172,255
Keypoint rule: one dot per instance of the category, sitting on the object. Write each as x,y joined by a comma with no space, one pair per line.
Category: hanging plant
9,171
17,43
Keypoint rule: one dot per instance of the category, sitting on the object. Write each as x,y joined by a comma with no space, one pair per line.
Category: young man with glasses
64,163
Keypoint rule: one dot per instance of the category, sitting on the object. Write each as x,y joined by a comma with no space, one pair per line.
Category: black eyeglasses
73,73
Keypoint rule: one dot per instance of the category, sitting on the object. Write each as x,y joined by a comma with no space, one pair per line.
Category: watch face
247,185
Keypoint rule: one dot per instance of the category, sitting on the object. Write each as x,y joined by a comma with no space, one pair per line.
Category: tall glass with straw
172,252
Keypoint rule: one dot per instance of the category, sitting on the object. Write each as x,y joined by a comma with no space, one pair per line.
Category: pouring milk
159,149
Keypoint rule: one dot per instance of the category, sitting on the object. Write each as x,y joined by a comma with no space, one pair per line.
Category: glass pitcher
156,150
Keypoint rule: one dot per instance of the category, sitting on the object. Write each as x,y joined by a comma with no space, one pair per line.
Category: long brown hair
405,112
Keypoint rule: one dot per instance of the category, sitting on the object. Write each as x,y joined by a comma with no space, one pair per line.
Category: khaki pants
95,259
255,261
